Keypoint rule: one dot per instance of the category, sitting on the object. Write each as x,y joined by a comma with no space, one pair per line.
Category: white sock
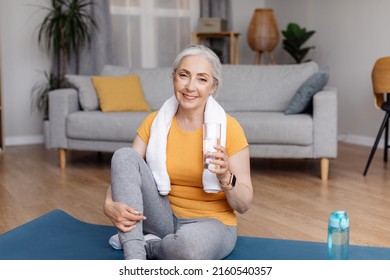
114,242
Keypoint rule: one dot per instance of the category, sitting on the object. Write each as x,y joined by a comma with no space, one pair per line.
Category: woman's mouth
189,97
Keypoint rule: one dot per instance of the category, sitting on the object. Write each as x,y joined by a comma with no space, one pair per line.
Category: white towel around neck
156,156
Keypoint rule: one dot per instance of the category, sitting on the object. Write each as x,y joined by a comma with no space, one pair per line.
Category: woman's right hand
121,215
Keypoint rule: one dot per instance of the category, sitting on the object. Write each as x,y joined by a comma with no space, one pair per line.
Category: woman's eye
203,80
183,75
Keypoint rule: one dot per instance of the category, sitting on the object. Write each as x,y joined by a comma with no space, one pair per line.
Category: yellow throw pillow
118,94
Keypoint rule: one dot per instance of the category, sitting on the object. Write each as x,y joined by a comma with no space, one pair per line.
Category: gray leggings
198,238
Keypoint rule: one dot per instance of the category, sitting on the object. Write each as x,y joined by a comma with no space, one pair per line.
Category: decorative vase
263,33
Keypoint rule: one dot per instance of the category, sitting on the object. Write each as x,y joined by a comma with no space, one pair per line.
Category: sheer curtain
92,59
150,33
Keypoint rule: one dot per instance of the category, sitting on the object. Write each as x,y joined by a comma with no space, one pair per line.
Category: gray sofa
256,95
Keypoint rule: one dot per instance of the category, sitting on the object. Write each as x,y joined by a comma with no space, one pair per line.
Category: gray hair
206,52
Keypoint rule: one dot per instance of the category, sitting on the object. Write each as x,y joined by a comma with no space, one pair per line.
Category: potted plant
294,39
40,93
65,30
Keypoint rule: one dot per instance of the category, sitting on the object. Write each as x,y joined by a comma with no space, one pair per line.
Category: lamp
263,33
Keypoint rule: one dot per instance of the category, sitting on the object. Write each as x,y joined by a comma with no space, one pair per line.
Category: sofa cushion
157,83
261,87
276,128
87,95
122,93
275,85
259,127
304,96
97,125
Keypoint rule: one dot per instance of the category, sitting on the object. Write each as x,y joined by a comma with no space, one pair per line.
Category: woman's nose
190,86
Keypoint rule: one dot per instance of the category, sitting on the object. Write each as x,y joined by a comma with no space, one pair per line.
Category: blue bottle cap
339,219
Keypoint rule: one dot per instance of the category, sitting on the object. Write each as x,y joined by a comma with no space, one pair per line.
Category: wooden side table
199,37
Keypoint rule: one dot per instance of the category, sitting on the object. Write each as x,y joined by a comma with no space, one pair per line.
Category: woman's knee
125,154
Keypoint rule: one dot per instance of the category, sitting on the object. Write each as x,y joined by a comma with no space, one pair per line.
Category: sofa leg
324,169
62,158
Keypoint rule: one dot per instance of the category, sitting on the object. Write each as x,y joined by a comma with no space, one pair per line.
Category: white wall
350,36
22,62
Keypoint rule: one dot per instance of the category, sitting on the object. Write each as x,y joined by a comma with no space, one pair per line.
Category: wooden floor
290,202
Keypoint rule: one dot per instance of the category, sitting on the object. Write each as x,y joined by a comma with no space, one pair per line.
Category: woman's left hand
221,160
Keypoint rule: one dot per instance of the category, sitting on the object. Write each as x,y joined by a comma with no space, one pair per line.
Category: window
150,33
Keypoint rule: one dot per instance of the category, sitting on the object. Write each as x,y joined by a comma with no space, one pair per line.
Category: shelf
199,37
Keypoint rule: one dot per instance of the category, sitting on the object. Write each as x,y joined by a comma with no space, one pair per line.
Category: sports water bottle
338,236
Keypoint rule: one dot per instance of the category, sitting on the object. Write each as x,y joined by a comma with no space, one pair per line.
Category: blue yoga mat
59,236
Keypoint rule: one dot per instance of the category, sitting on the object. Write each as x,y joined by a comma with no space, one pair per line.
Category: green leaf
40,93
66,29
295,37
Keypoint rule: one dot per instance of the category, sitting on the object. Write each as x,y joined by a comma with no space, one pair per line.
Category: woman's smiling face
193,82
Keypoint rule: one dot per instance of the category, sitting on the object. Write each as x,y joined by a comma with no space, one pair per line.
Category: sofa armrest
62,102
325,123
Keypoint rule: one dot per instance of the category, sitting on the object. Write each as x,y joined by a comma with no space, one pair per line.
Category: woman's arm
240,196
140,146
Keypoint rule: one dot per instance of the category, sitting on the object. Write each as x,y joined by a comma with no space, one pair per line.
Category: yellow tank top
185,167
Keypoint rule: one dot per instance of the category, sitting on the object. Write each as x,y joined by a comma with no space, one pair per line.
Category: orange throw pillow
118,94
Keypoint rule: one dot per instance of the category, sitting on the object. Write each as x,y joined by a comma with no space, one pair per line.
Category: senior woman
188,223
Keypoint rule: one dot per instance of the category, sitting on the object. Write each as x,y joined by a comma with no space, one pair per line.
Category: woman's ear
214,88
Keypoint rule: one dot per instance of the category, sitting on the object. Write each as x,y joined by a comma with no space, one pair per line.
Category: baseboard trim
359,140
24,140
